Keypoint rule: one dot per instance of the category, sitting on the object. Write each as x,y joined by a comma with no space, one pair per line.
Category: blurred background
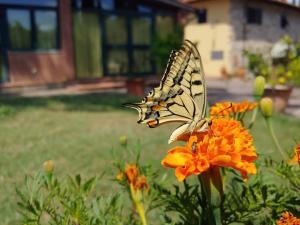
66,67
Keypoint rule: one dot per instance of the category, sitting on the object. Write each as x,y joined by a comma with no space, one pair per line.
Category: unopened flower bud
259,87
48,166
123,140
266,106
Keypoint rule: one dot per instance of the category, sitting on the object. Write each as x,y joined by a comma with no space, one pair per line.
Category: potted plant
135,86
282,70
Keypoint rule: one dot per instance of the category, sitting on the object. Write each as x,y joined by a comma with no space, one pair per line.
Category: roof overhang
275,2
175,4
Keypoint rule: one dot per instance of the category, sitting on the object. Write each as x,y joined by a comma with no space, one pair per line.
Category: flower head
225,144
266,106
229,108
48,166
296,157
259,87
133,177
287,218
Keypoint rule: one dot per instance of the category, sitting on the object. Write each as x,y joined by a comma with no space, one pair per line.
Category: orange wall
41,68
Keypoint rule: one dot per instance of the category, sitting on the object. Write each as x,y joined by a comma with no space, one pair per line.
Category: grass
81,134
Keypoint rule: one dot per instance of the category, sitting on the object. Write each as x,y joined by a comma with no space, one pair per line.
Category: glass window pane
141,27
164,25
141,61
116,32
87,44
107,4
117,62
46,29
30,2
19,28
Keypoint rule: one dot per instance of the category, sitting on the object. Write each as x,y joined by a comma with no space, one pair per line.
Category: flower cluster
225,144
229,108
133,177
287,218
296,157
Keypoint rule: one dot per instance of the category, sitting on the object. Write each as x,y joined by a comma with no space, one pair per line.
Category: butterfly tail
178,132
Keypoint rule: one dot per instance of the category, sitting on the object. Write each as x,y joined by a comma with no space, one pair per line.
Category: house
223,29
46,42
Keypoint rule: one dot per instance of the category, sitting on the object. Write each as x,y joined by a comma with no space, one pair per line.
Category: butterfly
180,97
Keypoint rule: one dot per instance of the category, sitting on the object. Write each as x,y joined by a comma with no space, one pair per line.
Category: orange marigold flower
131,172
296,157
225,144
228,108
141,183
133,177
287,218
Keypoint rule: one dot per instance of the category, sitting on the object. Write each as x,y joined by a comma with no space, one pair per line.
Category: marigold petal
176,158
181,173
221,160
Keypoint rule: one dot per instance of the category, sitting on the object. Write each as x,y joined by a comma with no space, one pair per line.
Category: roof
283,3
176,4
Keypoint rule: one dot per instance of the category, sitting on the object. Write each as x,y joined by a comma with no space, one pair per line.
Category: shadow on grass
90,102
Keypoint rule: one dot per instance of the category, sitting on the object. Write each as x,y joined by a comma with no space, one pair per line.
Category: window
19,27
30,2
46,32
254,16
107,4
217,55
284,23
202,16
32,29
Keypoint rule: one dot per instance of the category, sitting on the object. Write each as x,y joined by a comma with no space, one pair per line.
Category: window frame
257,15
33,41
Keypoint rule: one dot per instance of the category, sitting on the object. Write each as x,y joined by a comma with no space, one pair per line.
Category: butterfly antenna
130,105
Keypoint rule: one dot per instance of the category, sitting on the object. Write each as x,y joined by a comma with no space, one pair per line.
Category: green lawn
81,134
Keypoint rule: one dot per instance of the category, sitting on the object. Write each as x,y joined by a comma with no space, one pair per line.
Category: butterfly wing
181,95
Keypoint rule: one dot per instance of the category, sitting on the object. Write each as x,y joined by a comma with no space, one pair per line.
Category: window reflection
107,4
141,27
46,29
19,28
141,61
116,29
117,61
30,2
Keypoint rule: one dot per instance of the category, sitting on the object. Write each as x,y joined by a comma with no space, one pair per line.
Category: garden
84,160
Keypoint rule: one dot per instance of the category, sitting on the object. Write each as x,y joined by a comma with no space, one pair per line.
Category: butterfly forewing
181,94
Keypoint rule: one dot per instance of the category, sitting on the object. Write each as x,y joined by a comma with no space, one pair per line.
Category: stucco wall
260,37
40,68
215,35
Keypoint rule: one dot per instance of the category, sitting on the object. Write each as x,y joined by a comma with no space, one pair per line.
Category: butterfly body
181,95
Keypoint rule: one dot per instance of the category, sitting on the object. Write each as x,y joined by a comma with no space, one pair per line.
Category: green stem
212,194
254,114
275,140
137,199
